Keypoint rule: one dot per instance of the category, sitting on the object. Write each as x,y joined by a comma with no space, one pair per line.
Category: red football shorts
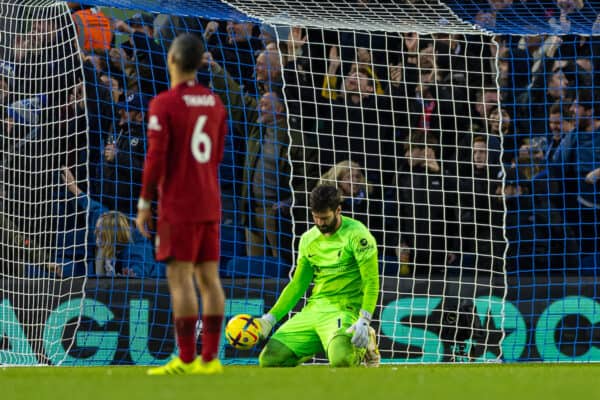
194,242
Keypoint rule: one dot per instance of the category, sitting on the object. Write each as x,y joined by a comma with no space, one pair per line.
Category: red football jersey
186,133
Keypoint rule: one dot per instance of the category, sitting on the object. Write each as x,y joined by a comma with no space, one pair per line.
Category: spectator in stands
520,232
359,202
437,104
120,64
94,28
114,246
124,154
236,50
490,119
20,252
546,89
7,77
577,155
331,88
428,216
531,157
114,84
26,187
360,129
93,110
148,54
45,57
265,198
566,7
560,123
168,27
481,213
485,100
501,127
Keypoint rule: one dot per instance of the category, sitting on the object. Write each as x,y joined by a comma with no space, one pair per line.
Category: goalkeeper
339,255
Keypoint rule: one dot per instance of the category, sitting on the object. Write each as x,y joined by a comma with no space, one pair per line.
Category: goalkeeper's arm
288,298
369,272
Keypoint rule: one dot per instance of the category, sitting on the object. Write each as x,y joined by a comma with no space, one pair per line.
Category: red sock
211,335
185,327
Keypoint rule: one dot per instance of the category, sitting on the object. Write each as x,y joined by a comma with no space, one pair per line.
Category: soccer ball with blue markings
242,331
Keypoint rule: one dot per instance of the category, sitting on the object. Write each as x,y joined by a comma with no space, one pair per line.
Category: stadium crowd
444,146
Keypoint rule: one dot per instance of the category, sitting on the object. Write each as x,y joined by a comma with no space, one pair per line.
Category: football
242,331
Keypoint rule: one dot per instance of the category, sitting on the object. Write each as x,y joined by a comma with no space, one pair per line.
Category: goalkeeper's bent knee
341,352
276,354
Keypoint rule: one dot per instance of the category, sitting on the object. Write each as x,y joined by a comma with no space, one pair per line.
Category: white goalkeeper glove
266,323
360,328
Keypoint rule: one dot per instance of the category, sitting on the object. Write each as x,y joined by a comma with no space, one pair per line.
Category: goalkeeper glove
360,328
266,323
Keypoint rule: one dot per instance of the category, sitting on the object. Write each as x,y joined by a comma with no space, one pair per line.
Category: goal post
462,139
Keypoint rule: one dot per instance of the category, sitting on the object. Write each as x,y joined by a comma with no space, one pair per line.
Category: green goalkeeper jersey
343,267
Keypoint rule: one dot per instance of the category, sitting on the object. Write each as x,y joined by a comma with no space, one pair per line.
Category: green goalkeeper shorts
311,330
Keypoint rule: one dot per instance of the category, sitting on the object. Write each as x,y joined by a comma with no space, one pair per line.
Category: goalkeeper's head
185,55
325,204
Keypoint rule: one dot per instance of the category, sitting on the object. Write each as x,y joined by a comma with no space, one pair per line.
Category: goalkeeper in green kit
339,255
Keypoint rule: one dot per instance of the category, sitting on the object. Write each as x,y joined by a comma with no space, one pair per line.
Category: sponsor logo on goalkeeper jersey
331,269
364,245
205,100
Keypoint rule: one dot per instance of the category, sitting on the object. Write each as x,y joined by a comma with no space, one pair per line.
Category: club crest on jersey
153,123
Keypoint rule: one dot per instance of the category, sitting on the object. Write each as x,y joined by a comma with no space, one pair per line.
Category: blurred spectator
481,213
114,84
560,123
546,88
501,128
168,27
124,154
266,198
330,83
360,203
428,218
360,129
488,121
46,56
520,231
7,77
94,29
149,55
235,50
577,155
113,244
566,7
94,112
531,157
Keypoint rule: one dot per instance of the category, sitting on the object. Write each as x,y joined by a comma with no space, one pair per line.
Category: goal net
43,128
461,133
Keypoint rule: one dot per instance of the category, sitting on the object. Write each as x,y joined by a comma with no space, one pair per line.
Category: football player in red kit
186,131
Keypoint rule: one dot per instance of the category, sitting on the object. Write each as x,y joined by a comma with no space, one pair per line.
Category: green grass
440,382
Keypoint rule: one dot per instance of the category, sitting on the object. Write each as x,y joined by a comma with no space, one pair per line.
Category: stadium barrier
121,328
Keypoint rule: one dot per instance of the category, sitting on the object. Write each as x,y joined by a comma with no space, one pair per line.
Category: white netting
44,128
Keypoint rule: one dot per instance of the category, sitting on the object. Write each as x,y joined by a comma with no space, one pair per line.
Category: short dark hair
187,52
325,197
560,107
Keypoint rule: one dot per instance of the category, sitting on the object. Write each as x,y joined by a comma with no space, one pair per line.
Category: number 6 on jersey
201,144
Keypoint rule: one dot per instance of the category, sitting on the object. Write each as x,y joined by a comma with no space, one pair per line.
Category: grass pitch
437,382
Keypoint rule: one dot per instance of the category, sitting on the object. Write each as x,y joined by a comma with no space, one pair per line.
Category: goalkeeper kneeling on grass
339,255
